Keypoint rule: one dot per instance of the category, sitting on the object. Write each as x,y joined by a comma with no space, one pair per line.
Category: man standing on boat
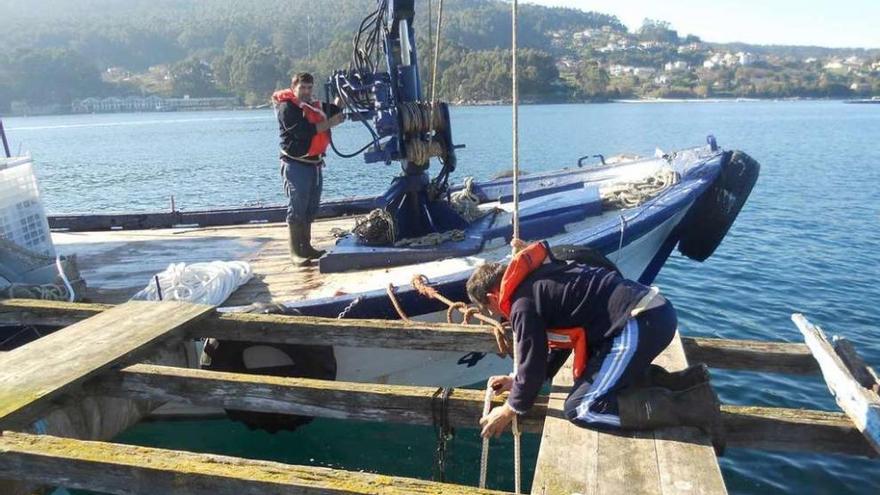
304,126
614,326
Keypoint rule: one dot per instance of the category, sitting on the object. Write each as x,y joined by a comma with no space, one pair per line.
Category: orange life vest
524,263
313,114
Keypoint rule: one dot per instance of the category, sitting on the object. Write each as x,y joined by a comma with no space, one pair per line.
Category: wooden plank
568,456
627,463
860,404
130,470
390,334
793,430
668,461
303,396
32,375
751,355
49,313
685,457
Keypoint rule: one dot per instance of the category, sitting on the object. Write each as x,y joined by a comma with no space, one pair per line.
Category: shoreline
490,103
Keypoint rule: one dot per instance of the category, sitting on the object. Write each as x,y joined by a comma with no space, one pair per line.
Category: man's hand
518,245
496,421
337,119
331,122
338,101
501,383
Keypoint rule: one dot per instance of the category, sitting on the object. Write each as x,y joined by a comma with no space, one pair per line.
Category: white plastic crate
22,217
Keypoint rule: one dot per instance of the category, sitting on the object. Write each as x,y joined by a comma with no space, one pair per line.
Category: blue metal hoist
382,89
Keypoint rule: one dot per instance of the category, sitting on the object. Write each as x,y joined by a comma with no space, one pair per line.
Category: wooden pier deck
663,462
100,354
117,264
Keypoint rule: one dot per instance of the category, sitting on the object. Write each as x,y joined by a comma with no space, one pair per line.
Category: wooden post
860,404
130,470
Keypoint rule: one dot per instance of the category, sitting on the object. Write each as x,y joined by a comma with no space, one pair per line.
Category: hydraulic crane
382,89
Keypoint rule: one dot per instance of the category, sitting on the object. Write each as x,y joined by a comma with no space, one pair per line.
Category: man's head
484,284
301,84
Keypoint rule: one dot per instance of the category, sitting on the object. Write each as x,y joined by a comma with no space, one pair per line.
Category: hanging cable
517,457
434,69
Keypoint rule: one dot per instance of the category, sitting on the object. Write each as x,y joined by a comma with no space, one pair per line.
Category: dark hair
302,77
484,280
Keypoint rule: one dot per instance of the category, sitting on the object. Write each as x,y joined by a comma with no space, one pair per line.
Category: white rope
484,455
622,195
434,69
205,283
72,295
466,203
517,458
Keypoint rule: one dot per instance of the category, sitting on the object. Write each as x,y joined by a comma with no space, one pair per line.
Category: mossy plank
34,374
130,470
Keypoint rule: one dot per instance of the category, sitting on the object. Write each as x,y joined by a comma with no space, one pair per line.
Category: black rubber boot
295,244
307,248
658,376
657,407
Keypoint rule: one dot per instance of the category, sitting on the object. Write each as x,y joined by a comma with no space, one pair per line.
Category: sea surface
807,241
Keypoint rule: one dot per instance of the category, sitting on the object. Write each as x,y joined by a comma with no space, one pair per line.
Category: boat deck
117,264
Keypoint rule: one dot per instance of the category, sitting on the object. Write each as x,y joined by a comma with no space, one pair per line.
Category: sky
831,23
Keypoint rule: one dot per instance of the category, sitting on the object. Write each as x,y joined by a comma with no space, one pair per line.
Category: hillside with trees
57,51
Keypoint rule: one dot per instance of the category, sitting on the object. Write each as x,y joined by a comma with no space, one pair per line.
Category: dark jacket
595,298
297,132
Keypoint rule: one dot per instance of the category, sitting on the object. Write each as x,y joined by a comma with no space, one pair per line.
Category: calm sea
807,241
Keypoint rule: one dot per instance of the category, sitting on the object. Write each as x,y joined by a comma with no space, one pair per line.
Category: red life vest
523,264
313,114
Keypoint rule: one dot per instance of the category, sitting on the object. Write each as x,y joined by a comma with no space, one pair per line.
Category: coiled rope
631,194
466,203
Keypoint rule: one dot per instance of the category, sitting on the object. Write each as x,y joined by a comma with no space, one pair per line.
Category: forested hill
58,50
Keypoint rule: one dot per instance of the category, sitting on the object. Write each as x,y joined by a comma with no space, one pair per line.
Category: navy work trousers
617,363
303,183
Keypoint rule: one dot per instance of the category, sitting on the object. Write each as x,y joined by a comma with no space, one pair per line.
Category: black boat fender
289,360
715,211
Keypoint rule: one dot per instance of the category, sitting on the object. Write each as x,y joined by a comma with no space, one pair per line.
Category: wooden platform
117,264
576,460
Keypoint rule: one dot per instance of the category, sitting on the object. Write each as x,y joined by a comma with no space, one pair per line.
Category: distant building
746,59
834,64
661,80
677,66
150,104
643,71
618,70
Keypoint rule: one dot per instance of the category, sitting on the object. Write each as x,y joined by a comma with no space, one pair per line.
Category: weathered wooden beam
750,355
130,470
301,396
34,374
796,430
388,334
281,329
48,313
860,404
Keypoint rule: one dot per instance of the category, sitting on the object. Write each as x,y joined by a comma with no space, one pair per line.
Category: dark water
807,241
